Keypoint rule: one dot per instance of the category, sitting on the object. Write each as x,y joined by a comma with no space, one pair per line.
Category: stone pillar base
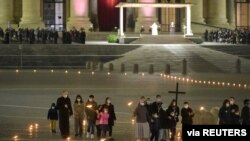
32,25
198,20
5,25
218,22
79,23
146,22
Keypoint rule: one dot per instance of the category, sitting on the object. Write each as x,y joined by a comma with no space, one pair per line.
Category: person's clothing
142,130
236,119
163,134
65,111
104,118
187,116
141,114
91,126
78,117
98,131
53,125
224,115
154,128
245,115
163,119
156,106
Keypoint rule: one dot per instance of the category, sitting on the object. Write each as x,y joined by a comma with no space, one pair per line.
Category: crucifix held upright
176,92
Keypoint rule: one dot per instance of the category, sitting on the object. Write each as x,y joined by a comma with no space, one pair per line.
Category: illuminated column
146,16
188,18
79,15
231,12
121,22
31,14
6,12
197,11
217,13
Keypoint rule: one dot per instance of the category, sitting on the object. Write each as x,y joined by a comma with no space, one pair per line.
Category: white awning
159,5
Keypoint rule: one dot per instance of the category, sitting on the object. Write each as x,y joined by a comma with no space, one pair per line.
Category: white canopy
122,5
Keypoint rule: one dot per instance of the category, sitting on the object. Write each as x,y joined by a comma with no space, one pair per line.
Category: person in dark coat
245,112
90,110
65,111
164,125
156,106
112,115
149,106
233,107
236,119
173,111
155,127
53,117
187,114
206,35
55,36
224,113
82,36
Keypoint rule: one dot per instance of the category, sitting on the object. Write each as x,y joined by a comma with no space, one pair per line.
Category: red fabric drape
108,14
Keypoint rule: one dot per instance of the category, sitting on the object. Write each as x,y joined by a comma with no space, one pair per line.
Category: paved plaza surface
26,96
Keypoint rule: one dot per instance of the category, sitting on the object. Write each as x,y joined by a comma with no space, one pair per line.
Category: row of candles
176,78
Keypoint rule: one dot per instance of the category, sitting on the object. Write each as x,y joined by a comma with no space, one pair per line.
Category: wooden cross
176,92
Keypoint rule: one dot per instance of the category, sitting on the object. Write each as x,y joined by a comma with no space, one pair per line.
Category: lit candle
34,70
92,73
108,73
130,103
125,73
202,108
161,74
239,85
168,76
79,72
15,138
204,82
228,84
213,83
51,70
218,83
245,85
200,82
36,125
209,82
142,74
84,123
89,106
133,121
17,71
66,71
234,84
68,139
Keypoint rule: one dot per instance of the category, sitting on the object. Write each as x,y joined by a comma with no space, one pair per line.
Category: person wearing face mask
91,115
53,117
142,121
164,122
187,114
78,115
65,111
156,106
112,115
245,112
104,122
233,107
224,113
173,117
149,106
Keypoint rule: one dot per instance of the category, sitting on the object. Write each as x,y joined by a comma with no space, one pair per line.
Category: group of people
230,114
100,117
223,35
155,120
41,36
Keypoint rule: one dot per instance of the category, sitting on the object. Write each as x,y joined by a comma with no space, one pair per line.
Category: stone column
231,12
31,14
197,11
6,13
79,15
217,15
146,16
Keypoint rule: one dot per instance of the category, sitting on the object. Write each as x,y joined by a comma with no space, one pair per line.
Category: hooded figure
65,111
